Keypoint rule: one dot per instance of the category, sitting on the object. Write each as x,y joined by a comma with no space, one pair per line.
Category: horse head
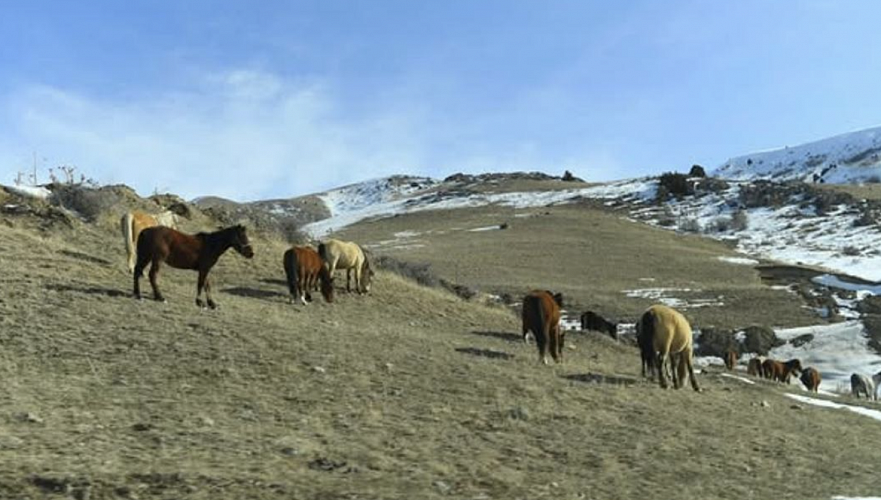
241,243
366,276
327,287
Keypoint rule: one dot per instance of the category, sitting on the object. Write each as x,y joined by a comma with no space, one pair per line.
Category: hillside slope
845,158
405,393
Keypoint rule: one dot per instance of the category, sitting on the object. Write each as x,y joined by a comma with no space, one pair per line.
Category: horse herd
663,335
154,240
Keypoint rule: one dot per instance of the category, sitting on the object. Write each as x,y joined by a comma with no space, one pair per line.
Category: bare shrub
719,225
87,201
851,251
689,225
673,184
739,220
419,272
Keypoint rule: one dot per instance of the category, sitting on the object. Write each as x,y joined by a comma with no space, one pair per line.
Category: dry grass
406,393
591,256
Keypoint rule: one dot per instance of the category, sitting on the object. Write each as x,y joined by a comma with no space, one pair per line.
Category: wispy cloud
242,134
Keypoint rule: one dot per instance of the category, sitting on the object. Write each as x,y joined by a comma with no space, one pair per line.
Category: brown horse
810,377
132,223
754,367
670,337
338,254
730,359
780,371
197,252
541,316
303,268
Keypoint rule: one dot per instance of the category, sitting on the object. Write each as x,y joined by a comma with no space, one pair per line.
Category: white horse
132,223
863,384
338,254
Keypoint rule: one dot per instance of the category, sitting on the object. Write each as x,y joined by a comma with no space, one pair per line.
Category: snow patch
875,414
30,191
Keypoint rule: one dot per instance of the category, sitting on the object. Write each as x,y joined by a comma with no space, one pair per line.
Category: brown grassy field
408,392
592,256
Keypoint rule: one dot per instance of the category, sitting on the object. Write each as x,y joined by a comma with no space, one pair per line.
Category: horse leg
200,284
348,280
553,340
561,343
662,372
541,340
689,360
211,303
358,280
154,274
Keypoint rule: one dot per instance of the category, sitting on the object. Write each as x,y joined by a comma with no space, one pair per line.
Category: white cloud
242,135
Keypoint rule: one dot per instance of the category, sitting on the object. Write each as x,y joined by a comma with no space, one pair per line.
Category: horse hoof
212,305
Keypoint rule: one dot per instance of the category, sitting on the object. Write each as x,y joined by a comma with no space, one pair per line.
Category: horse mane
322,251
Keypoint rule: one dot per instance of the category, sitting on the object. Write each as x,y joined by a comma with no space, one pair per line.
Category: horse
132,223
183,251
303,268
541,315
755,367
593,321
671,338
810,377
730,359
351,257
780,371
863,384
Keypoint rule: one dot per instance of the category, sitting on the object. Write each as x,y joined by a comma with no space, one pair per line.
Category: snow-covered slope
846,158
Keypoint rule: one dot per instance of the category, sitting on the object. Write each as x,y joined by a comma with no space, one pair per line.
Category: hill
408,392
843,159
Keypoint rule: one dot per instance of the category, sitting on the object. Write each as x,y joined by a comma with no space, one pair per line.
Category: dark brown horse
780,371
810,377
197,252
730,359
541,316
303,268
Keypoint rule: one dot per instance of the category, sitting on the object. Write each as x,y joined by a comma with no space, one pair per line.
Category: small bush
739,221
689,225
697,171
719,225
851,251
420,273
87,201
678,185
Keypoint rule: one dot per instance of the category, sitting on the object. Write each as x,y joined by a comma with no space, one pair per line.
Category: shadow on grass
91,290
510,337
86,257
254,293
485,353
273,281
599,378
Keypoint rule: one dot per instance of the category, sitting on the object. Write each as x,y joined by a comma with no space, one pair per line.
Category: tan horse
541,316
338,254
133,223
671,337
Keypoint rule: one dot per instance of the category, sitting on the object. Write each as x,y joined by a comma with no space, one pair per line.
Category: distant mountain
849,158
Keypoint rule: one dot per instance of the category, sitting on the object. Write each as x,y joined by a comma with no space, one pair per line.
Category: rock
797,407
319,369
289,451
765,404
142,426
442,486
29,417
205,421
518,413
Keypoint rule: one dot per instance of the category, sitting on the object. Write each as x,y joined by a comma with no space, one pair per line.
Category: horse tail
322,251
645,337
127,223
534,321
292,272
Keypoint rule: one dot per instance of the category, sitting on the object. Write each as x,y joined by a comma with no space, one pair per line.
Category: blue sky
252,100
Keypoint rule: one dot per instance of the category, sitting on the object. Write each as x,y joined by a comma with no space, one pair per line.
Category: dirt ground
407,392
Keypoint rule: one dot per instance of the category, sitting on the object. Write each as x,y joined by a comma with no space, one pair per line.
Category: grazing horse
730,359
132,223
303,268
755,367
593,321
197,252
671,338
351,257
541,316
780,371
863,384
810,377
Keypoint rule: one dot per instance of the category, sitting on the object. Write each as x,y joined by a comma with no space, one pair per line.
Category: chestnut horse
670,337
810,377
197,252
132,223
541,316
780,371
730,359
338,254
303,268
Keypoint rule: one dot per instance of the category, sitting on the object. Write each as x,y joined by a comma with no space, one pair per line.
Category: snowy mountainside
842,159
